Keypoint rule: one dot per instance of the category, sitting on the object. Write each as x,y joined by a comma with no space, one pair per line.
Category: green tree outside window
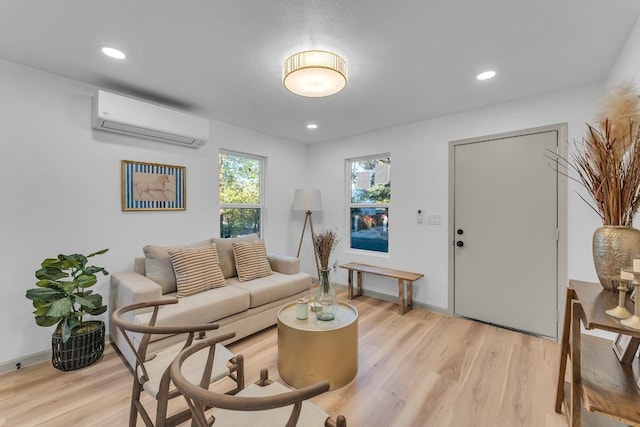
240,194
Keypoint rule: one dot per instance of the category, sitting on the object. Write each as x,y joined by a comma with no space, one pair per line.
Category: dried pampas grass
612,182
620,114
325,243
607,160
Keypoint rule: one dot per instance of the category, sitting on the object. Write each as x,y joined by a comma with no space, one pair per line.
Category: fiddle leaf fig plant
62,296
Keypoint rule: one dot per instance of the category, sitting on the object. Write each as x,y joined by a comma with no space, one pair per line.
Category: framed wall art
152,187
625,348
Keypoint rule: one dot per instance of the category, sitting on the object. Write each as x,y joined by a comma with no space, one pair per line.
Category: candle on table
626,275
302,309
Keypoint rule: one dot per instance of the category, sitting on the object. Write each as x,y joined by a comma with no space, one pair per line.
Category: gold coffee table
312,350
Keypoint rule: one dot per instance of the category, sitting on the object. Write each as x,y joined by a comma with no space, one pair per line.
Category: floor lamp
308,201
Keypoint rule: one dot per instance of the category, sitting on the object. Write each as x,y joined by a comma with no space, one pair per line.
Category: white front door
506,231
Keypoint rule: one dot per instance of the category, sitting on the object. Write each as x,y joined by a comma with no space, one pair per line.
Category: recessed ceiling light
312,126
113,53
486,75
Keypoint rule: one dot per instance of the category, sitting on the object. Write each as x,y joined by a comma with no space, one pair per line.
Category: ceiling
408,60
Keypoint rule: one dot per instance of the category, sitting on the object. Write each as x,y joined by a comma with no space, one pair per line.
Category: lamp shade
307,200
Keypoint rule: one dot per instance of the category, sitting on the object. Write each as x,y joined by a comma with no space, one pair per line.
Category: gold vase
614,248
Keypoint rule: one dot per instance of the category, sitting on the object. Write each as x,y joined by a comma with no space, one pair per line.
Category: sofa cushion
205,307
273,287
196,269
225,252
158,265
251,260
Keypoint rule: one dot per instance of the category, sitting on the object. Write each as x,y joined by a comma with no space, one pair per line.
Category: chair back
126,328
200,399
151,372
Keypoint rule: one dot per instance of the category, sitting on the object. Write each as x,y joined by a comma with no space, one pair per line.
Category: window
240,194
369,201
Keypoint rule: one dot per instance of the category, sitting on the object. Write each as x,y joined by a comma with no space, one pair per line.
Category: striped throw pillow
158,264
196,269
251,260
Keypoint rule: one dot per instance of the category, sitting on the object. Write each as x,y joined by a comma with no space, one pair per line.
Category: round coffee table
312,350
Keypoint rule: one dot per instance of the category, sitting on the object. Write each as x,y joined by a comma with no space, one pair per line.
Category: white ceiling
408,60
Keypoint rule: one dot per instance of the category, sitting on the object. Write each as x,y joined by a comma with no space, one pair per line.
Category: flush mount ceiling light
486,75
113,53
312,126
314,73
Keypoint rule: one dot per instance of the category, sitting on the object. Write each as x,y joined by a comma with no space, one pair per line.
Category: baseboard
394,299
22,362
32,359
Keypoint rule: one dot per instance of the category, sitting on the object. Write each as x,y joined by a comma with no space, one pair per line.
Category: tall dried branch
610,175
325,243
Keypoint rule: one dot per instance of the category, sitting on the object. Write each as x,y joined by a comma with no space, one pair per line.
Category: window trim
262,161
351,205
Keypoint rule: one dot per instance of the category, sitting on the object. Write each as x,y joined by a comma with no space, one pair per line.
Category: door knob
459,243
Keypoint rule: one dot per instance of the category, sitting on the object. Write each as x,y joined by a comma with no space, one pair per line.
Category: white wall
627,65
419,159
60,187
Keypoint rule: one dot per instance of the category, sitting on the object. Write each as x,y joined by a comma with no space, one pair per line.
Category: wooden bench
404,278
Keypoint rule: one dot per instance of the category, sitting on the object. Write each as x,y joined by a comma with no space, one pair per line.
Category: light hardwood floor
421,369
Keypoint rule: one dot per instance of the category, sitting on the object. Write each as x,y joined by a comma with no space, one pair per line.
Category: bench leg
350,286
359,283
409,295
401,306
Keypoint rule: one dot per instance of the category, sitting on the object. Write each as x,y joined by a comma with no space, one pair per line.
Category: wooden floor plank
421,369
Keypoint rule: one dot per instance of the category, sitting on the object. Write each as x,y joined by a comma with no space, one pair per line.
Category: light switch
434,220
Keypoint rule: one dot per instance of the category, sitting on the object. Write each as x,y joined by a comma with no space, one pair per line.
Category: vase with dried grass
326,301
607,163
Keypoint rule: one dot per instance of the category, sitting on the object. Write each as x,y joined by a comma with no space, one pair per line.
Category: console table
599,382
404,277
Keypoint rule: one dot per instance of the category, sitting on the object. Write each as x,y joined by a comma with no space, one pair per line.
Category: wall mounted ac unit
133,117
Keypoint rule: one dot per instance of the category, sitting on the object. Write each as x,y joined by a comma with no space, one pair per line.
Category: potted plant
607,163
62,298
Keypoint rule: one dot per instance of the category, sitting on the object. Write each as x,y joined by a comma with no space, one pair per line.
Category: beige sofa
242,307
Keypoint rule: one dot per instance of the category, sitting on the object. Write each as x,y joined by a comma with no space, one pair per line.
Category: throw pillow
158,265
251,260
197,269
225,252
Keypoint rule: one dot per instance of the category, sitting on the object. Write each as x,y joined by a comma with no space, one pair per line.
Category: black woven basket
79,351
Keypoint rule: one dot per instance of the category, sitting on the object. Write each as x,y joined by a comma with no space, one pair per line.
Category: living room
68,198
